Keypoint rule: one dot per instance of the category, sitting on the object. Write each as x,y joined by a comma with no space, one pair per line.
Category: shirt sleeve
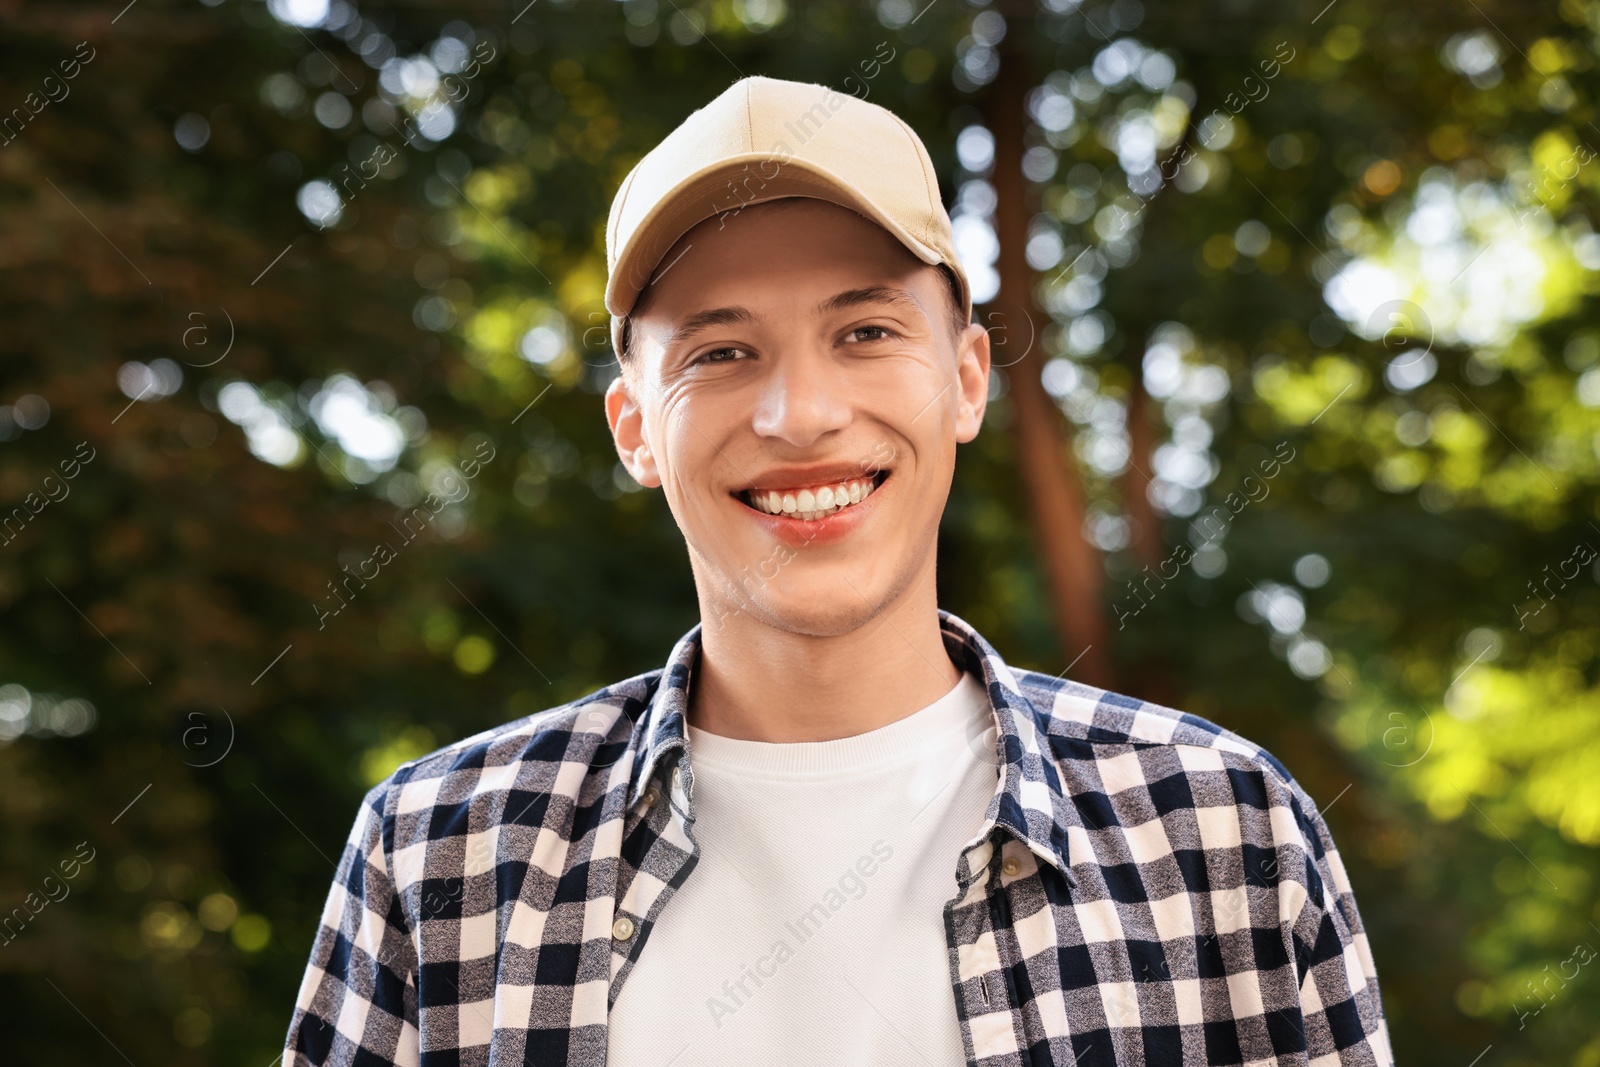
357,1001
1341,1007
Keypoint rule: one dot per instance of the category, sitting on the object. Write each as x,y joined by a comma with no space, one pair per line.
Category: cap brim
725,189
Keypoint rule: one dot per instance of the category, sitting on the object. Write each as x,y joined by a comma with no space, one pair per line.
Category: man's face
795,389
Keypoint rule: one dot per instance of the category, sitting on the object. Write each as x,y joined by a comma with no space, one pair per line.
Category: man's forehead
772,228
825,257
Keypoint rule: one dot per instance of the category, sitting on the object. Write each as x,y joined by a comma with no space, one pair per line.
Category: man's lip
832,528
745,496
782,478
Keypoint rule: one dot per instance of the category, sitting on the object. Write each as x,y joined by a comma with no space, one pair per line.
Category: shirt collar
1031,801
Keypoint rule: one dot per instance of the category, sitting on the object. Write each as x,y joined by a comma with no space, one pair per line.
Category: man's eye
876,333
720,355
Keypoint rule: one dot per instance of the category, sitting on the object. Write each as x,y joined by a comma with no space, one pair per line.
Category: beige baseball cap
763,139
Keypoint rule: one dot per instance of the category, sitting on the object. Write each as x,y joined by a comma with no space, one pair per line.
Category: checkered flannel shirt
1146,888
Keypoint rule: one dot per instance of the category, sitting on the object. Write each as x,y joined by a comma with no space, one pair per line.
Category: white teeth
810,504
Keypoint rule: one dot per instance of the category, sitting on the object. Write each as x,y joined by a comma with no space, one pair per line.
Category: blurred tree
1054,490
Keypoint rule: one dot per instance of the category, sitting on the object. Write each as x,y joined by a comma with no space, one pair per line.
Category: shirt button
622,929
650,796
1011,866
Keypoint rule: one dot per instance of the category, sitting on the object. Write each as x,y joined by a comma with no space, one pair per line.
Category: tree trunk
1055,492
1148,547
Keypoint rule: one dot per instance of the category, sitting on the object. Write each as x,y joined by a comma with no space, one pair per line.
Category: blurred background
1294,426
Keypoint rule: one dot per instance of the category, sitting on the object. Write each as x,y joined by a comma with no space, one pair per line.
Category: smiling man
836,827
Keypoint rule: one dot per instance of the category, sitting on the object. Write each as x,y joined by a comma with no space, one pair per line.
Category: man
836,827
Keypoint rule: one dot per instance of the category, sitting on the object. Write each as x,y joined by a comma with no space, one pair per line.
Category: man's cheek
695,508
678,496
680,445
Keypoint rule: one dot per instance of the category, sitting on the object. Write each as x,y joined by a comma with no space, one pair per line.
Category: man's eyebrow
849,298
872,294
704,320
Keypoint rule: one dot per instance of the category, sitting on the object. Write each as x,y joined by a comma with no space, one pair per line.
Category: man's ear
972,379
626,420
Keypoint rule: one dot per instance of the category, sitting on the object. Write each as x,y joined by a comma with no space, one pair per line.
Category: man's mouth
811,502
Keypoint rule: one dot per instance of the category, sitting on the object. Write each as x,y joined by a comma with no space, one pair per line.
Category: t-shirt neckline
963,710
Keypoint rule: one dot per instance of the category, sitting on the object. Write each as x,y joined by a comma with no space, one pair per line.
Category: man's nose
803,398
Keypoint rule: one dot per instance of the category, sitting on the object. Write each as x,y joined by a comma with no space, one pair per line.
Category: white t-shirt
812,929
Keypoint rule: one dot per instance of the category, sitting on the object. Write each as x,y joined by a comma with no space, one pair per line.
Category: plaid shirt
1147,888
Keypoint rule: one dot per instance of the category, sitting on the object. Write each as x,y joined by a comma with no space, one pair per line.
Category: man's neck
755,682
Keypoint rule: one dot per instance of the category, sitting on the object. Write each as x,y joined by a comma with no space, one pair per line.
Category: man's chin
821,616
